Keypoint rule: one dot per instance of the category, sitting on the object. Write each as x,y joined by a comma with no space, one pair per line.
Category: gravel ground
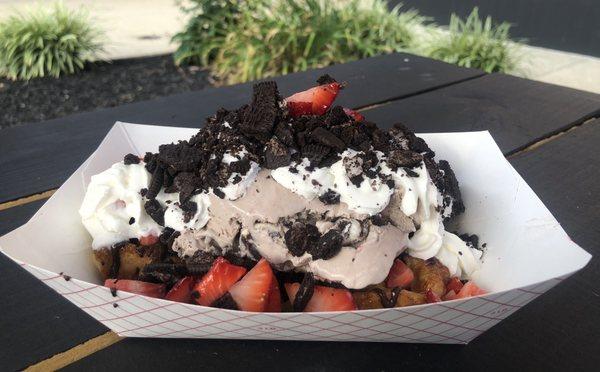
100,85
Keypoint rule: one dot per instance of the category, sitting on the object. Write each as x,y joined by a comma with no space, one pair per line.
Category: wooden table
548,133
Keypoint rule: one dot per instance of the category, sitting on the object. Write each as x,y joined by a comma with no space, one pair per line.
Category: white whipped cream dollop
113,208
113,200
432,240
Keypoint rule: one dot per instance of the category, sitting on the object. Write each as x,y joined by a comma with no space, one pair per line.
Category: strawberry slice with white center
217,281
314,101
470,289
400,275
324,298
182,290
357,116
274,303
252,292
137,286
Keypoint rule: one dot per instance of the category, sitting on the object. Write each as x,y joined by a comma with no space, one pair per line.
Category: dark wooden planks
38,157
516,111
36,322
558,331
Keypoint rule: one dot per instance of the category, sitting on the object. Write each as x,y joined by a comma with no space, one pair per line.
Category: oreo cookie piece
300,237
325,137
284,134
315,153
263,113
241,166
131,159
180,157
330,197
155,211
276,154
156,182
450,189
189,209
328,246
325,79
403,158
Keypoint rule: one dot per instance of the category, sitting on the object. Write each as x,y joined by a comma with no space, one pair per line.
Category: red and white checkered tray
528,253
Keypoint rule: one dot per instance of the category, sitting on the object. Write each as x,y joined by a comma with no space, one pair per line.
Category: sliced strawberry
454,285
251,293
432,297
274,303
314,101
451,295
182,290
324,298
354,114
469,289
216,282
400,275
137,286
149,240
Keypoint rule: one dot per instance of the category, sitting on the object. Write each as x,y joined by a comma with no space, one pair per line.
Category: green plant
265,38
46,42
475,43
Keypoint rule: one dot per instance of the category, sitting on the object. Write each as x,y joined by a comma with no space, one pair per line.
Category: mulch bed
100,85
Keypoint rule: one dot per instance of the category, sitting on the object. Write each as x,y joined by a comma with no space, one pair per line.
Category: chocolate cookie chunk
263,112
330,197
276,154
131,159
155,211
300,237
328,246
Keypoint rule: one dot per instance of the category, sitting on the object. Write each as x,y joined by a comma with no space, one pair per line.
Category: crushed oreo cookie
131,159
155,211
328,246
300,237
330,197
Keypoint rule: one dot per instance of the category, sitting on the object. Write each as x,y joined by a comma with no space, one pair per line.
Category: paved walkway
135,28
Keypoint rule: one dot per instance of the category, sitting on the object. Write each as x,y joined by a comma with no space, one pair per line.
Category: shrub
46,42
475,43
243,41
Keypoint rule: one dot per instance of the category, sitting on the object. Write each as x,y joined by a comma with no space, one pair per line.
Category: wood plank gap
76,353
27,199
550,138
390,100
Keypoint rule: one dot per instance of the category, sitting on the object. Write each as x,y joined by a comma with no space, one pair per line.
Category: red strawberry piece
274,303
432,297
216,282
252,292
314,101
354,114
137,286
324,298
149,240
454,285
400,275
451,295
182,290
469,289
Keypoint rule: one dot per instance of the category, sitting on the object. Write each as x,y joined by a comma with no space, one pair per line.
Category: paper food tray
527,254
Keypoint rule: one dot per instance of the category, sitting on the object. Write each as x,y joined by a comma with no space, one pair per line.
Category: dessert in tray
284,205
